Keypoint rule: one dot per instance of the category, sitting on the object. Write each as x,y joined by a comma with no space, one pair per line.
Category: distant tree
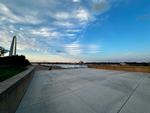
81,62
2,51
17,61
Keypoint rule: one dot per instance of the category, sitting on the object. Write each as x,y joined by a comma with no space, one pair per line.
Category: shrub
19,61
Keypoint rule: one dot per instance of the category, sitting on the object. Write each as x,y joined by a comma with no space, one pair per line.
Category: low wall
13,89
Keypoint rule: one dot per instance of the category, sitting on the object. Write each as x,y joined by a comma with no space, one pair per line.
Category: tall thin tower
13,47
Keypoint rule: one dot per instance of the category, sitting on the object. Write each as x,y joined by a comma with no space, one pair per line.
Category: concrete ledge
13,89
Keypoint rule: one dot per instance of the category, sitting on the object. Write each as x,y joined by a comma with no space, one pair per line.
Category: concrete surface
13,89
87,91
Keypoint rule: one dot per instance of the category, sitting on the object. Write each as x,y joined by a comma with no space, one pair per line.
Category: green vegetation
7,72
3,51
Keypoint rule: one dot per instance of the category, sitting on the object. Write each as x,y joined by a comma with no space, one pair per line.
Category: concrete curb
13,89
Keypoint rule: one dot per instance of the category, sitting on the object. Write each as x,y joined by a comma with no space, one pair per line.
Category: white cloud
73,30
94,48
100,6
82,15
22,42
76,0
70,34
61,20
45,32
4,39
64,24
62,15
76,48
7,15
73,49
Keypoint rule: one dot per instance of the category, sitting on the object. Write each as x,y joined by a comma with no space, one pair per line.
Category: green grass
8,72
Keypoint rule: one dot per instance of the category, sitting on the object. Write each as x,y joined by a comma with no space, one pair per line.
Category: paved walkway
87,91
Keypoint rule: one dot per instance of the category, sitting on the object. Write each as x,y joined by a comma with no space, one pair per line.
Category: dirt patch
122,68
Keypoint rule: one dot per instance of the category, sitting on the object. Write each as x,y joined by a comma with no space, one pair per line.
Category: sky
75,30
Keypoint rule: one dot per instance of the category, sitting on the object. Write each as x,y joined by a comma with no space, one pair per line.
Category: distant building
123,64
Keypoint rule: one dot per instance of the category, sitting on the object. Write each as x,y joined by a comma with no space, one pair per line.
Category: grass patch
7,72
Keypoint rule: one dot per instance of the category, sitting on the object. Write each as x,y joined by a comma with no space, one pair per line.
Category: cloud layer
53,26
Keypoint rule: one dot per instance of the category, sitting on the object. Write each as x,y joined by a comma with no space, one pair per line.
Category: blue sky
74,30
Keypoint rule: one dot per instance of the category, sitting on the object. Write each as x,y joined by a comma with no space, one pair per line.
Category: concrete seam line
130,95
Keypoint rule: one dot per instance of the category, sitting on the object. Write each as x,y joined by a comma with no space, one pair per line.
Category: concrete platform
87,91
